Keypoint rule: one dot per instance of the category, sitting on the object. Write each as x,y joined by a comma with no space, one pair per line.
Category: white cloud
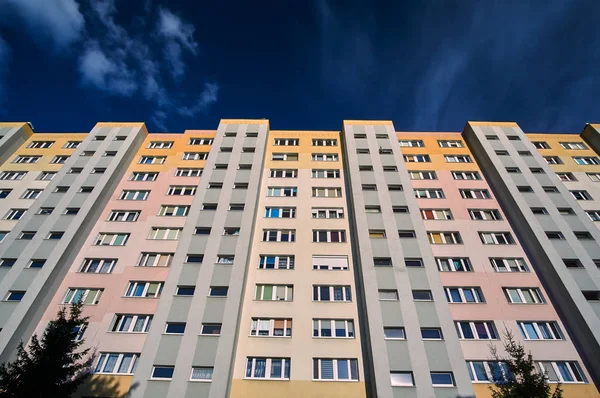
59,20
207,98
105,74
5,55
177,36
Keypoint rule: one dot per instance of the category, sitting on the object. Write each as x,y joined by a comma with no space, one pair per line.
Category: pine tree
52,366
520,377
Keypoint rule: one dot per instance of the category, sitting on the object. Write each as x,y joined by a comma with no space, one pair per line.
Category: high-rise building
249,262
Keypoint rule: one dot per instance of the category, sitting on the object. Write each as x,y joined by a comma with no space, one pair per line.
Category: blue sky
65,64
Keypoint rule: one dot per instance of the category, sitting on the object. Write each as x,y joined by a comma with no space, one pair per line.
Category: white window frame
335,364
152,159
346,291
170,233
458,159
476,292
17,175
438,214
40,144
173,210
323,324
46,176
268,363
194,156
282,192
188,172
109,238
286,142
123,215
551,326
103,360
279,261
429,193
258,324
96,292
422,175
283,173
208,369
283,212
330,263
594,215
475,194
325,142
132,194
595,177
496,238
504,264
581,195
31,194
154,259
160,144
145,176
446,237
105,265
27,159
586,160
417,158
566,177
292,157
552,160
450,144
464,261
60,159
325,157
15,214
329,192
341,232
411,143
132,286
572,367
324,212
120,320
534,292
288,292
485,214
489,327
290,232
181,190
325,173
200,141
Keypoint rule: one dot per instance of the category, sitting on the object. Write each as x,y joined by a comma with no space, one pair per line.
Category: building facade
250,262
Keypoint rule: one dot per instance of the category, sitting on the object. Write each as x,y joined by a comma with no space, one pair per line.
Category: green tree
517,376
53,366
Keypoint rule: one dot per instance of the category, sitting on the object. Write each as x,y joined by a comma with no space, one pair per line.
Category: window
586,160
458,159
475,194
417,158
331,263
31,194
371,209
566,211
388,294
112,239
464,295
98,265
268,368
555,235
15,295
4,193
160,144
131,323
444,238
45,210
211,329
163,372
286,142
394,333
175,328
26,235
335,369
496,238
321,235
285,156
402,379
405,233
395,187
333,328
202,231
466,175
591,295
369,187
550,189
155,259
563,372
283,173
541,145
98,170
240,185
422,295
60,189
134,195
524,188
382,261
450,144
183,190
594,215
282,191
218,291
422,175
537,170
509,264
365,168
513,138
513,170
152,159
72,144
120,138
442,379
124,215
485,214
487,371
4,233
200,141
322,173
566,177
86,296
15,214
581,195
377,233
44,176
40,144
174,211
432,193
526,295
115,363
390,168
59,159
321,212
271,327
203,373
279,235
87,153
331,293
539,210
533,330
476,330
411,143
413,262
572,263
144,289
234,231
274,292
436,214
165,233
583,235
501,153
55,235
27,159
195,156
18,175
225,259
140,176
209,206
327,192
524,153
276,262
594,176
188,172
85,189
553,160
7,262
321,142
185,290
454,264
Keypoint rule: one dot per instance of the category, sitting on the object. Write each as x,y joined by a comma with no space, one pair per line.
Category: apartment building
250,262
